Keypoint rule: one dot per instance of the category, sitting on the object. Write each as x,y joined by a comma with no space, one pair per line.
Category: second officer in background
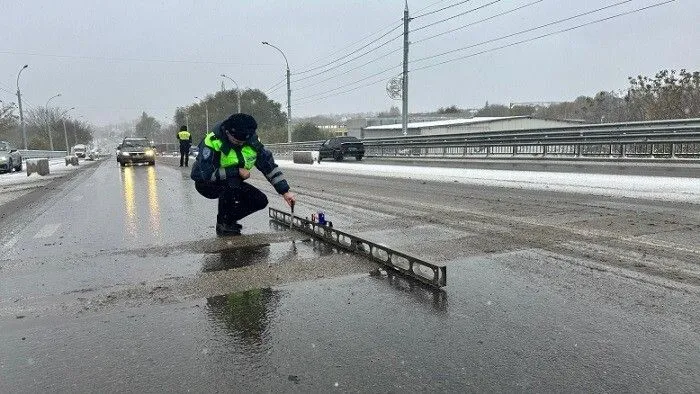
185,139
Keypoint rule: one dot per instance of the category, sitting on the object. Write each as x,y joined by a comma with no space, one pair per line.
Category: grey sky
111,60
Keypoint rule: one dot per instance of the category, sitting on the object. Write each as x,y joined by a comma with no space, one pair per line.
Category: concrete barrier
304,157
72,160
40,166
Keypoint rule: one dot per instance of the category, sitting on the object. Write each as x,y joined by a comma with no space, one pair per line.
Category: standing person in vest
226,156
185,139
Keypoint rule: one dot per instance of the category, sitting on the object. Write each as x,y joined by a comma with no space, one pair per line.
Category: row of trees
669,94
272,122
39,123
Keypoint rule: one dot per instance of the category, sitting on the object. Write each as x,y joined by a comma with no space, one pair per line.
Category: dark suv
136,150
340,147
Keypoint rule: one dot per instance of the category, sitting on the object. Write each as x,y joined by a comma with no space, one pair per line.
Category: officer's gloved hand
233,182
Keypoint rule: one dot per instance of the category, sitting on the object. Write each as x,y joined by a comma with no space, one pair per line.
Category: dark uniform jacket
207,166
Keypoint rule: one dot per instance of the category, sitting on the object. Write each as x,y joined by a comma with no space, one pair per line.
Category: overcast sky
114,59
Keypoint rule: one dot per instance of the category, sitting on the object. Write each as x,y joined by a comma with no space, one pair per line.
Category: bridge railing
671,139
42,154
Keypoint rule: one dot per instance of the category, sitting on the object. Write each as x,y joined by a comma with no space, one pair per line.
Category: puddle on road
363,332
271,254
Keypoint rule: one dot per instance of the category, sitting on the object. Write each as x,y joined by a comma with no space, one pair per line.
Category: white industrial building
457,126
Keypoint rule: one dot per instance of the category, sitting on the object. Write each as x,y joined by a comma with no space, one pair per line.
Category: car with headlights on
10,158
136,150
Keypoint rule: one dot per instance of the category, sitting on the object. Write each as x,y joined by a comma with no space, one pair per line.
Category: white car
10,158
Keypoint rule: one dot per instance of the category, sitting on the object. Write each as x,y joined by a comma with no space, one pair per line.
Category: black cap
240,126
183,128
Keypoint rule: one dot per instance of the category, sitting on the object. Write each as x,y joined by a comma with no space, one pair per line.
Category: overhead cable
455,16
522,31
545,35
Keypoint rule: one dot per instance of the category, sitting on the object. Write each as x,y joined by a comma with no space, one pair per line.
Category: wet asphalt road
116,282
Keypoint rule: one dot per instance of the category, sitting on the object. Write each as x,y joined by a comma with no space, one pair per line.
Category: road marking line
48,230
77,198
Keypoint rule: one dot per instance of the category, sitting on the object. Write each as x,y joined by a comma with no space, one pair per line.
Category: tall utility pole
65,133
404,79
48,123
206,110
21,114
289,93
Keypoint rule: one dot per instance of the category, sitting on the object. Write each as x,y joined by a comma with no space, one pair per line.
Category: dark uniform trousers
235,202
184,154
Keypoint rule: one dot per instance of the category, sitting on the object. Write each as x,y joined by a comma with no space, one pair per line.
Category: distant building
457,126
356,125
336,130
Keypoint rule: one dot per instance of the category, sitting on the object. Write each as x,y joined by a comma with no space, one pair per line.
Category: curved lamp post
65,133
238,91
21,114
48,125
289,94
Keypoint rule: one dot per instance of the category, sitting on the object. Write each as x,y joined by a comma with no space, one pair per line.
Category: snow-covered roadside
20,181
648,187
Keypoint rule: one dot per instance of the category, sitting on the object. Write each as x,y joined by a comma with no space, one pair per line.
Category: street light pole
21,114
238,91
65,133
206,110
289,94
48,124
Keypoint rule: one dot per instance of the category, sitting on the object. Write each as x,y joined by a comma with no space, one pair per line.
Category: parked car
340,147
136,150
80,151
10,158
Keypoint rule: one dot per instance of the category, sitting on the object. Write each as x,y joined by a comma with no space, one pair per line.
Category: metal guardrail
42,154
427,273
671,139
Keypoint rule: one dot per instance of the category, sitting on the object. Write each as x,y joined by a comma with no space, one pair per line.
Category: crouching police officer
225,158
185,139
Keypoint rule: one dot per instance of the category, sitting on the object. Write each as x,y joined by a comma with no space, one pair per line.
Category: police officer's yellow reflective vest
248,154
183,135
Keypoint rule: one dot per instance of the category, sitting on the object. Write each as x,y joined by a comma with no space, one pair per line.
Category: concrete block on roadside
72,160
40,166
304,157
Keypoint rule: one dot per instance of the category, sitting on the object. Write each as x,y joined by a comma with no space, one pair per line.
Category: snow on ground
14,180
648,187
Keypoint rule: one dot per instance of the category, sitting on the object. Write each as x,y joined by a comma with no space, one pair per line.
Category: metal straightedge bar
427,273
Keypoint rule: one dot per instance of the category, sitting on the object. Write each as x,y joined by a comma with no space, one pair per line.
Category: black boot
225,226
223,229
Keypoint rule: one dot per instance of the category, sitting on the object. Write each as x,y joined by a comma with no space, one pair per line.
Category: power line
351,83
490,50
353,52
522,31
455,16
341,93
348,70
430,5
275,86
349,60
545,35
477,22
441,9
374,49
348,45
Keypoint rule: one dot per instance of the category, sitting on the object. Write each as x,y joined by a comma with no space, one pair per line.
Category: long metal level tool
428,273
